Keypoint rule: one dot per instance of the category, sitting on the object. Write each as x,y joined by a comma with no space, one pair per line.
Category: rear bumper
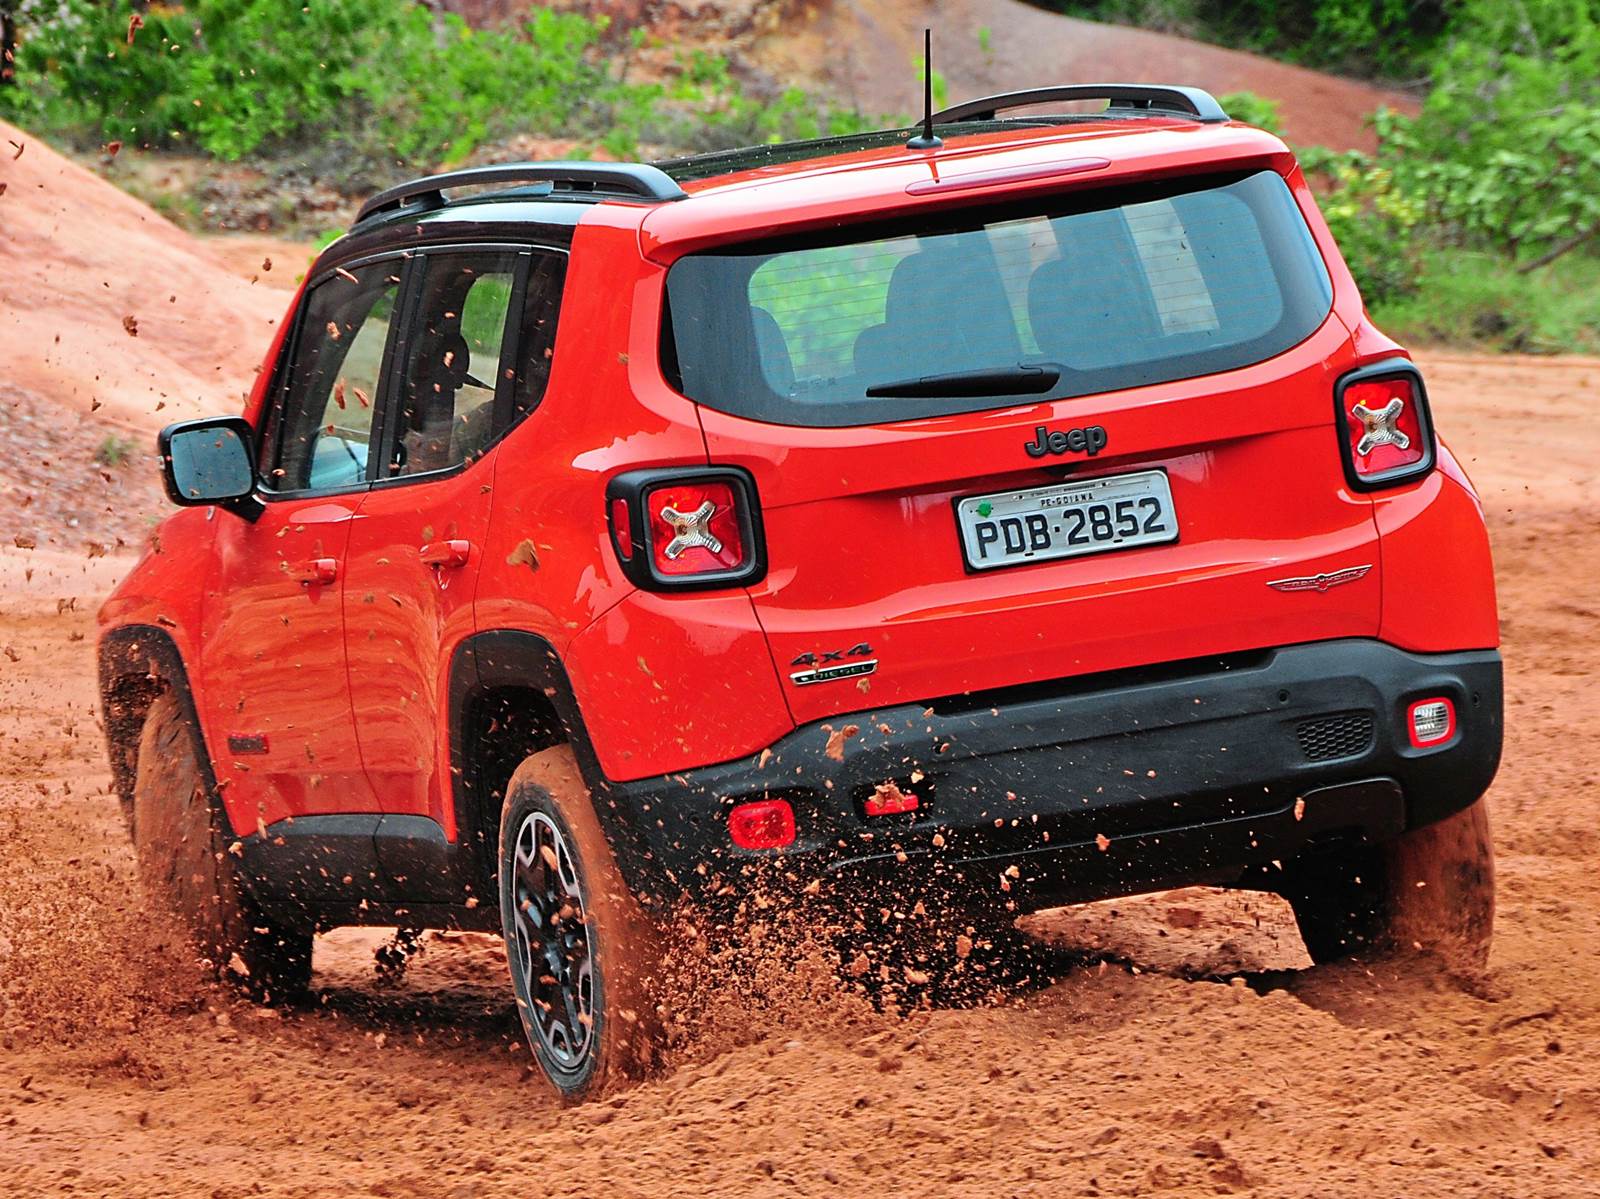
1190,772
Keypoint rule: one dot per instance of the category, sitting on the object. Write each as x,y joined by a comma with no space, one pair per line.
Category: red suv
1023,515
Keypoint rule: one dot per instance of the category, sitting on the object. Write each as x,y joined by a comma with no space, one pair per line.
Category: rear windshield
1105,291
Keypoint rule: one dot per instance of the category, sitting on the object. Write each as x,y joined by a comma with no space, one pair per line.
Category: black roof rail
636,180
1191,102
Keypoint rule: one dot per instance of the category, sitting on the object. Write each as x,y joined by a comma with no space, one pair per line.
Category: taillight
691,528
1386,430
694,528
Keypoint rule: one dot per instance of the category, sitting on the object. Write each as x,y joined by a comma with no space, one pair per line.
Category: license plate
1066,520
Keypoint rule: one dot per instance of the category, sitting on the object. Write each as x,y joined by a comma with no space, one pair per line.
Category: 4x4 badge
1321,582
830,665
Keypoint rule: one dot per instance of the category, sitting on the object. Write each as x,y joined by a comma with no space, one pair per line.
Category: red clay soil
1186,1052
107,307
866,51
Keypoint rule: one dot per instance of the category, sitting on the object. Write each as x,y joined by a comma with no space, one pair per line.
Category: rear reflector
888,800
622,529
1431,722
763,824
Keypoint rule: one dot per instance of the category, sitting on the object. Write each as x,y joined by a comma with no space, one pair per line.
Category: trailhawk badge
1321,582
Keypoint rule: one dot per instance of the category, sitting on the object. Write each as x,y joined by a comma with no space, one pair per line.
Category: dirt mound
865,52
106,307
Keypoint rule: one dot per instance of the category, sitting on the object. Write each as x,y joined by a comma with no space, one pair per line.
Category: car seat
945,309
1090,306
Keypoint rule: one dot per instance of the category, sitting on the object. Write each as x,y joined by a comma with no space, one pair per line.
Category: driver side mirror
210,461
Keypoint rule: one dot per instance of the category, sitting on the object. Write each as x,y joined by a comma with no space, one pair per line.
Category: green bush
1505,154
1253,110
1475,298
76,66
1385,38
370,80
1375,222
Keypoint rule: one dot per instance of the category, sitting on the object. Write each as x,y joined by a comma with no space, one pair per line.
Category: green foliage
75,66
1506,152
371,81
941,86
1475,298
706,109
1253,110
114,451
1374,221
1387,38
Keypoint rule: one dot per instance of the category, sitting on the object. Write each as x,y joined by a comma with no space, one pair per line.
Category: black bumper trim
1169,769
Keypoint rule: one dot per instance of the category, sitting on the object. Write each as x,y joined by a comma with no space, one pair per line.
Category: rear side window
1119,289
478,353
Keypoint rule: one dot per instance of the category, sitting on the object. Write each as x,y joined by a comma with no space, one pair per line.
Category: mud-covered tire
1430,891
585,958
180,843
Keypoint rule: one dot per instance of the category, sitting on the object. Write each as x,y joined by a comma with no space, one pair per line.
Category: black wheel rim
554,956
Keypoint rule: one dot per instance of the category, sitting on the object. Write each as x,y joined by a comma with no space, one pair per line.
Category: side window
452,370
325,426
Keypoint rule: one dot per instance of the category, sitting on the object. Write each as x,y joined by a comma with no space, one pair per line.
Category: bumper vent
1342,735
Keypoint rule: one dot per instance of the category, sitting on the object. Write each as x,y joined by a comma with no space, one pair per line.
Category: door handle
446,555
317,572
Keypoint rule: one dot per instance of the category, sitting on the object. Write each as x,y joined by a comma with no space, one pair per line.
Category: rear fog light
1431,722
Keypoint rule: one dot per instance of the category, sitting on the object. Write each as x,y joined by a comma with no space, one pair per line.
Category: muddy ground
1187,1051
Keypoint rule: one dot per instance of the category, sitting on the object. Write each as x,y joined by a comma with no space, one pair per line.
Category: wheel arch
138,663
510,696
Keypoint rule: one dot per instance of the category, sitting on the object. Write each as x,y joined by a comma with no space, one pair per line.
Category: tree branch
1560,248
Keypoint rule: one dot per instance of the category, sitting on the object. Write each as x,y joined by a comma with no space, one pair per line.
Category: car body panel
864,547
272,665
403,619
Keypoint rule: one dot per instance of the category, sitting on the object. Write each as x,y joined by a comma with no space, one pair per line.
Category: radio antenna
927,139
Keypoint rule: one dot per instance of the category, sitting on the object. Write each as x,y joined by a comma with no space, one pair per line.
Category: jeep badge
1075,441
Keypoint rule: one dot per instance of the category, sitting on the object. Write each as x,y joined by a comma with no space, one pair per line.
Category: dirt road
864,52
1190,1054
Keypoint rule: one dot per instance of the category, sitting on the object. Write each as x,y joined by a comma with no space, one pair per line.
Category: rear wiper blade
991,381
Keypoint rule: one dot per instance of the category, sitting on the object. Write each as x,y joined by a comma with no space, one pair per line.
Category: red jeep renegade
1023,514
